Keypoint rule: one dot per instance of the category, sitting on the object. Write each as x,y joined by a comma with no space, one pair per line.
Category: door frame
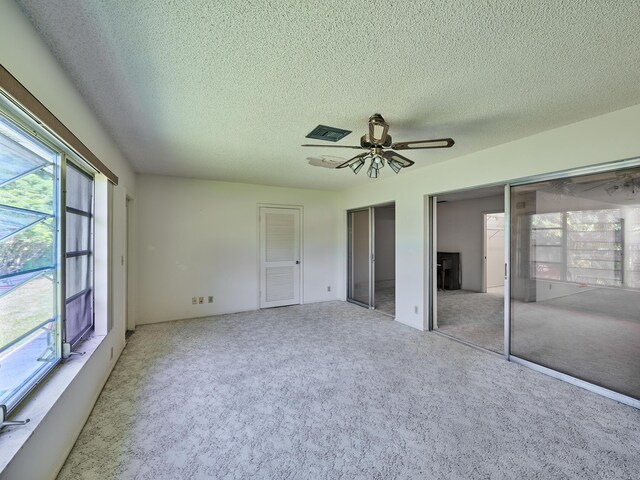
432,284
129,259
507,271
300,275
432,287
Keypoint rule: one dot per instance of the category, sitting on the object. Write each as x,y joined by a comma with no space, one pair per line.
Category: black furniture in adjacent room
449,275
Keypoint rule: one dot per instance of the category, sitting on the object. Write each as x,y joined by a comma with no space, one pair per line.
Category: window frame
18,395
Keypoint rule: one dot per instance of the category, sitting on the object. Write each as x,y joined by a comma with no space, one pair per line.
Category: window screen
79,254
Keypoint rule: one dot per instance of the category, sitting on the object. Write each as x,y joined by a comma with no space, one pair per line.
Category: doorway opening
469,240
371,258
493,269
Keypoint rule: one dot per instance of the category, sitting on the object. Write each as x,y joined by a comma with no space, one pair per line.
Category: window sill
40,402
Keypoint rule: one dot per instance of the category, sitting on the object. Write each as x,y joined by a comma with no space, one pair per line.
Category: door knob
297,262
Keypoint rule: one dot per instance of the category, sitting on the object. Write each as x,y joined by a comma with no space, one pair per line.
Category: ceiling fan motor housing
365,142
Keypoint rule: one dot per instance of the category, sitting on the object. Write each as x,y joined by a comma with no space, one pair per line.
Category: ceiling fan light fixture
357,165
372,172
377,162
395,165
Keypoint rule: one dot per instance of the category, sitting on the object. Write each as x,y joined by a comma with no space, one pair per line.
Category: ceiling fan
625,181
380,148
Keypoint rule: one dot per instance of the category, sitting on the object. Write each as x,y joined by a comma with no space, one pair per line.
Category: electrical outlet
329,288
210,298
415,309
194,300
200,299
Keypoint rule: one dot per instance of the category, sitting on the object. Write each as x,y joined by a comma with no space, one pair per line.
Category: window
578,246
547,246
47,239
42,304
595,247
29,278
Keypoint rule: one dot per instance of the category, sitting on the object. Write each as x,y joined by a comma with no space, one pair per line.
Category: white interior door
279,256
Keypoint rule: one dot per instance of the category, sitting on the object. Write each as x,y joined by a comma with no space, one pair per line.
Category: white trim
506,291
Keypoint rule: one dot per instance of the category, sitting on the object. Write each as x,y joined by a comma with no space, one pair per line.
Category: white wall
28,59
385,243
200,238
460,229
606,138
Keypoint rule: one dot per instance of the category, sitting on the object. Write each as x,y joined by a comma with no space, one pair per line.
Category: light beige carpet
474,317
336,391
593,335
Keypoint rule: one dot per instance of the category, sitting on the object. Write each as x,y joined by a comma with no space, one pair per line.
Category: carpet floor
385,298
336,391
593,335
474,317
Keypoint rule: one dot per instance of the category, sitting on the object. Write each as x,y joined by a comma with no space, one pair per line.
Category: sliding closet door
575,277
360,270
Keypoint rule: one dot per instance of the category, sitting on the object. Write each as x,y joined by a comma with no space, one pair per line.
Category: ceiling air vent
330,134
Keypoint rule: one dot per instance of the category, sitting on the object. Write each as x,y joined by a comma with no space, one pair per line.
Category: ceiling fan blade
420,144
391,155
325,161
601,184
332,146
352,160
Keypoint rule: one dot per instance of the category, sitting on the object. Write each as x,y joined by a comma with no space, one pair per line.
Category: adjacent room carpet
474,317
593,334
336,391
385,297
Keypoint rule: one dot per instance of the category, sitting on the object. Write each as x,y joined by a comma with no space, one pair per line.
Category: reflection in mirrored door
575,277
360,258
384,254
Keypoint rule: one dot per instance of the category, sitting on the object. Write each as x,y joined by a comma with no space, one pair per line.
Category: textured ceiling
227,90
